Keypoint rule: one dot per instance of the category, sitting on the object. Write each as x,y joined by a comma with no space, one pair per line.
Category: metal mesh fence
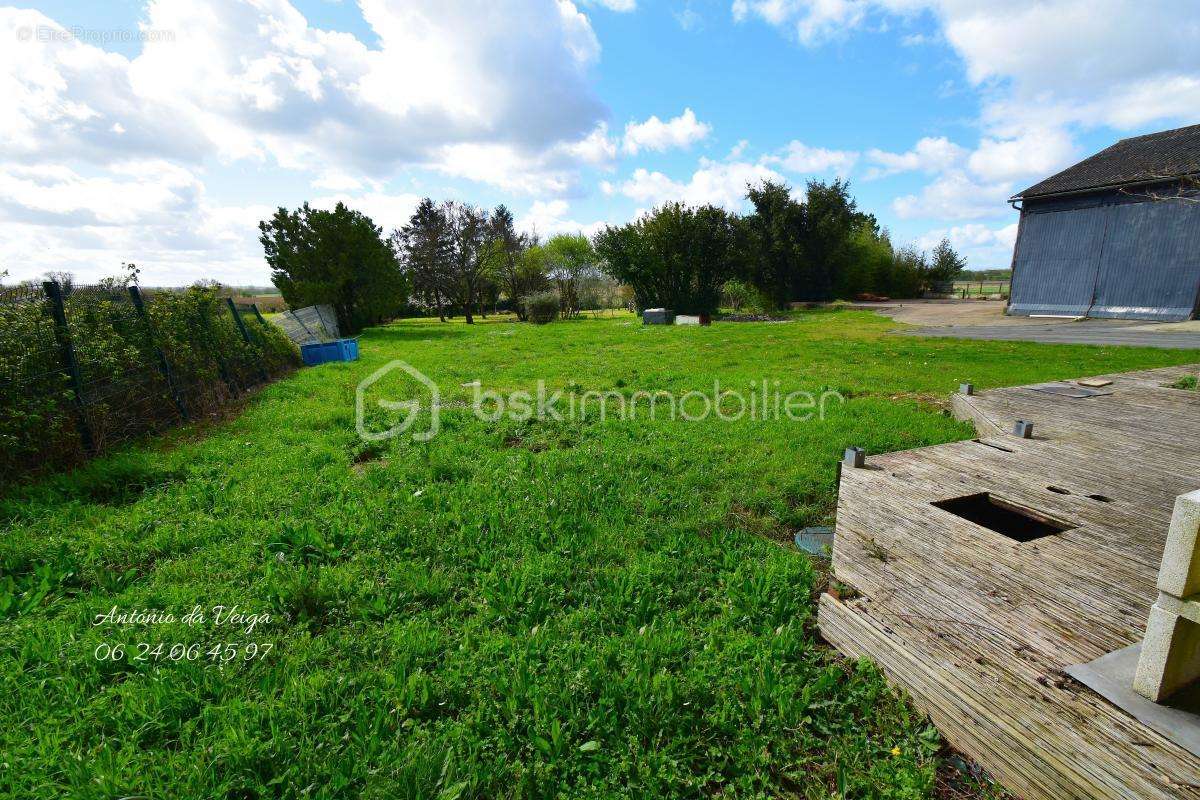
35,390
310,324
85,367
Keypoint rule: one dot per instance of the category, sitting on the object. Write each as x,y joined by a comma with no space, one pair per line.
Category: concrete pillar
1170,656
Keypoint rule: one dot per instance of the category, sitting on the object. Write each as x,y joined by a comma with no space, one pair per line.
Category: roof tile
1168,154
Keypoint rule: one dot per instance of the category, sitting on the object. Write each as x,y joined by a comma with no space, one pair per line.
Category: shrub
741,296
542,307
675,256
124,390
35,396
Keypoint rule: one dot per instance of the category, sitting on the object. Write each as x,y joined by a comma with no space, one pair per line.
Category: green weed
588,610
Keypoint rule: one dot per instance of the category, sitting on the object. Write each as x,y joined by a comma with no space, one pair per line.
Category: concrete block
1170,658
1023,429
658,316
855,457
966,388
687,319
1179,574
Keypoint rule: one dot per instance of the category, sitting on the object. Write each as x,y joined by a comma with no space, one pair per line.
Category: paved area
946,313
985,319
1091,331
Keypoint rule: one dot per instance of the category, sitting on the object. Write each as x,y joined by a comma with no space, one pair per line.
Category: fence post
241,325
66,353
135,295
258,313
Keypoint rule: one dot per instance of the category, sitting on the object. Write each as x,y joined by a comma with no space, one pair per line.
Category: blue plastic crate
311,353
338,350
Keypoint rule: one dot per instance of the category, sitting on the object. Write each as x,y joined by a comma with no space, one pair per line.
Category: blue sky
161,132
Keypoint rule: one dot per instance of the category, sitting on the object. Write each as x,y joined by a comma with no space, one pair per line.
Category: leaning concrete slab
1170,658
1111,676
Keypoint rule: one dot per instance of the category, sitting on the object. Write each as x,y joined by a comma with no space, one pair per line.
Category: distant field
982,288
267,303
515,609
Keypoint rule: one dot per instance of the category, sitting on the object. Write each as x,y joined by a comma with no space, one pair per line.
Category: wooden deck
977,627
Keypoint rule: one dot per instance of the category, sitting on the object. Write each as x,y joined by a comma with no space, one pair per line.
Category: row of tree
818,248
448,258
462,257
454,257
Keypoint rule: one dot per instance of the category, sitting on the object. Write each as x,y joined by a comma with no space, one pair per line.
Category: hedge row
85,367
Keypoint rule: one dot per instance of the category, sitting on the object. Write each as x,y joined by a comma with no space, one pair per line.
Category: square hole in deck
1001,516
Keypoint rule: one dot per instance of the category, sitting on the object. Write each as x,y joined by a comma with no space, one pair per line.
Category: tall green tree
532,276
570,259
945,263
422,247
508,269
829,220
468,226
774,237
337,257
677,257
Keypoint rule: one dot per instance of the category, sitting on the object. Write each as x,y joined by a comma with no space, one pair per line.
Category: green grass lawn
539,609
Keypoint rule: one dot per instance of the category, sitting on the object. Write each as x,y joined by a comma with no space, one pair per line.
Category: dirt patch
752,318
370,456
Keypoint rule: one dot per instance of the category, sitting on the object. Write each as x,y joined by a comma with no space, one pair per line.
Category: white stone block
1179,574
1170,656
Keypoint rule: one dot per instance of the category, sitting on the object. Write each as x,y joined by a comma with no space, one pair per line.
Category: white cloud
386,210
810,21
596,148
336,180
801,158
717,183
242,80
656,135
620,6
112,150
1038,152
956,195
1053,62
931,154
689,19
984,247
550,217
504,166
152,213
972,235
973,184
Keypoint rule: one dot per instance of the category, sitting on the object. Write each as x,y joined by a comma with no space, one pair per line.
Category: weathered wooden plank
978,626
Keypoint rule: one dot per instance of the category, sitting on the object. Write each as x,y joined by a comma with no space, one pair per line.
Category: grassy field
538,609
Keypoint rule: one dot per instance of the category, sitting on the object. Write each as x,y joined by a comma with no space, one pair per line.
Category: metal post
135,295
855,457
241,326
70,366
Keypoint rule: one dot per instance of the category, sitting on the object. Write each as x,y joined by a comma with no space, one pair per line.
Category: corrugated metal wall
1108,256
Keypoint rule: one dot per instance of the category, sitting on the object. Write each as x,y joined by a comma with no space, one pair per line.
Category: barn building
1116,235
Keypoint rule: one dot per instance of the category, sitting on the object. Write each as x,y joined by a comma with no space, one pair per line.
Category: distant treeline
815,249
453,257
984,275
